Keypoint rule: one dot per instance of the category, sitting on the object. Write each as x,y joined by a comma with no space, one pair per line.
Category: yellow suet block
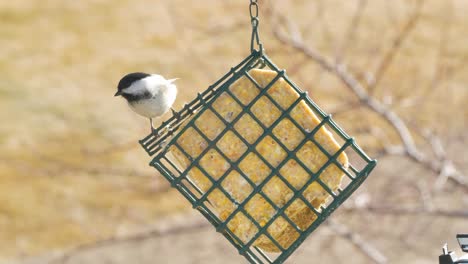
256,169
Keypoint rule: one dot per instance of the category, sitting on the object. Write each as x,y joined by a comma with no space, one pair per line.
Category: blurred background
75,186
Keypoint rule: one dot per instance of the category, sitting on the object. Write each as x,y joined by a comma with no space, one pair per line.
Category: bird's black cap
128,79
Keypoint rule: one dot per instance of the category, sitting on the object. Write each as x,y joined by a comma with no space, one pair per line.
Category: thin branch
340,71
135,238
346,107
425,195
359,242
321,18
441,69
351,31
398,210
445,169
391,53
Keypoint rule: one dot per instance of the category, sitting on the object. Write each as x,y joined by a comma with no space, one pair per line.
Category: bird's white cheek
135,88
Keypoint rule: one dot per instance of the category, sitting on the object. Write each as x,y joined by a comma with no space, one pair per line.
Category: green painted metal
157,145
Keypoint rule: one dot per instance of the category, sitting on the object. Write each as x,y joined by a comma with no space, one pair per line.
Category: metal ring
255,21
253,9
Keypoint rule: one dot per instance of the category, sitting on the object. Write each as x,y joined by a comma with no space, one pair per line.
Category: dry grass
71,169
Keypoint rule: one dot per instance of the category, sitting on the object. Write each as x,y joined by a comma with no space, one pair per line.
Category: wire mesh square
259,159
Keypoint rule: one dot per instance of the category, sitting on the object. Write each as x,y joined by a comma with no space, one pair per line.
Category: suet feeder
258,158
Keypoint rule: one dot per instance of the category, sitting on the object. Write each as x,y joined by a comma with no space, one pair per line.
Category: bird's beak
118,93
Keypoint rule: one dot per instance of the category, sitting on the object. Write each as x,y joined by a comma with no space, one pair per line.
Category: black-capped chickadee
149,95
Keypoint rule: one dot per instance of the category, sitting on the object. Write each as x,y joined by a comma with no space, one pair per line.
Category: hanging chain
253,9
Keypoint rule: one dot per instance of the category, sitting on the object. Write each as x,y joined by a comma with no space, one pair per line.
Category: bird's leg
151,124
174,113
153,130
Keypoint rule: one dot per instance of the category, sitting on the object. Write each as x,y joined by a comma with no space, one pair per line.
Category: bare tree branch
408,147
444,36
389,56
351,32
359,242
139,237
399,210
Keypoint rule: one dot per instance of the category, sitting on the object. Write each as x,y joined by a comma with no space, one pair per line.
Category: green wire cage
266,218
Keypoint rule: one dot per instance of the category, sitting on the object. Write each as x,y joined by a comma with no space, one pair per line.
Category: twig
321,18
426,196
360,243
389,56
346,107
158,232
441,71
409,148
351,31
398,210
445,169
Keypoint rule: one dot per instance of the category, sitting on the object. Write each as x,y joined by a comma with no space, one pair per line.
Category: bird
149,95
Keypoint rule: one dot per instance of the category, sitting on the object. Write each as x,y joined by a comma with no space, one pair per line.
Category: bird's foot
153,130
174,113
163,130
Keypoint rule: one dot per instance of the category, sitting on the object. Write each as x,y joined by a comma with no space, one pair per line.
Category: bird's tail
172,80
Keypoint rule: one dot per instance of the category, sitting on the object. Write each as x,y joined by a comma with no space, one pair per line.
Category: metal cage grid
158,143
